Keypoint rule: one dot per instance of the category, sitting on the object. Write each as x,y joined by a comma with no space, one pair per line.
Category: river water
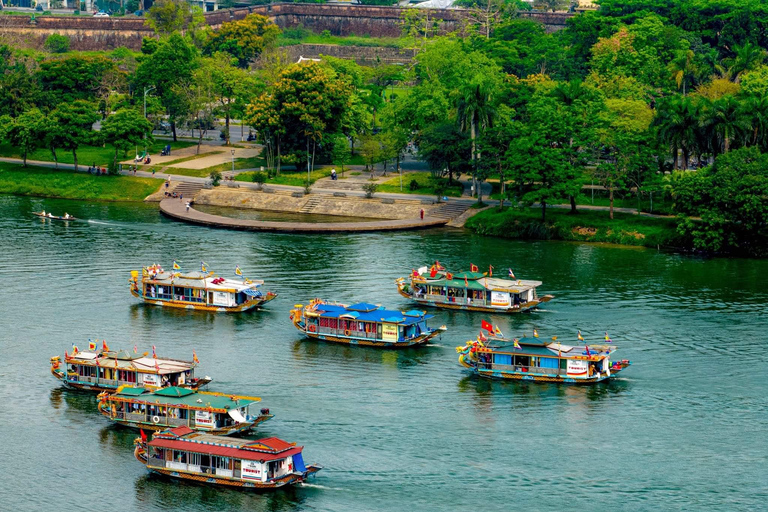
684,428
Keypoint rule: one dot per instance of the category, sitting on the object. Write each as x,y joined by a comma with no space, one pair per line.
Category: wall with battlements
110,33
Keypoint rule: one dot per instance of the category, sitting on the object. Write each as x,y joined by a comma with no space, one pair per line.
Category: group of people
97,170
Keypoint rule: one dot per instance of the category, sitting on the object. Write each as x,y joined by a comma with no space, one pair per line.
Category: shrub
414,185
215,178
57,43
260,178
325,34
370,189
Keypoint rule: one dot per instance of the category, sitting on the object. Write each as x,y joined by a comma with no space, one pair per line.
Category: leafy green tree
74,77
683,68
75,121
125,129
244,39
23,132
167,17
725,119
340,151
57,43
19,90
231,86
445,148
747,58
755,110
677,120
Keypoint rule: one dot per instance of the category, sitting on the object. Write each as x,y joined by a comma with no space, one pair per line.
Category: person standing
187,205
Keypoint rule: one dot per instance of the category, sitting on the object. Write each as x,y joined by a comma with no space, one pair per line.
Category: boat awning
85,356
236,415
252,293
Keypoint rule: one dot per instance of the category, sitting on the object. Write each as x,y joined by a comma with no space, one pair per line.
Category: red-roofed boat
183,453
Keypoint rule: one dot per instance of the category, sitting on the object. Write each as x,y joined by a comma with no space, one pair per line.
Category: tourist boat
539,360
50,216
261,464
471,291
216,413
197,290
363,324
104,370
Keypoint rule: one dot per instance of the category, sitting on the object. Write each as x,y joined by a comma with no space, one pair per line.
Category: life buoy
347,333
155,419
311,328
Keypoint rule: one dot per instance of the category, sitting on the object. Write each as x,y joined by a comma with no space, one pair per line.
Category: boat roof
183,397
364,312
186,439
122,360
477,281
199,279
543,347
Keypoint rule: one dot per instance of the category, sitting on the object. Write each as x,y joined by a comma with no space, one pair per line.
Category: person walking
422,213
187,205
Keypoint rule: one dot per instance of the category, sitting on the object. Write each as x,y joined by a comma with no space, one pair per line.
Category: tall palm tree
755,109
726,119
677,120
475,112
683,68
747,57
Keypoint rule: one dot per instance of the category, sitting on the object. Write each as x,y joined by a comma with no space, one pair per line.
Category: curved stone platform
176,209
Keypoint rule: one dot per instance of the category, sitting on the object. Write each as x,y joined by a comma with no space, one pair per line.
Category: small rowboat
53,217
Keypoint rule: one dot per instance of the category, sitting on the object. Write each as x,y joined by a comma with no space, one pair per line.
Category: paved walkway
177,210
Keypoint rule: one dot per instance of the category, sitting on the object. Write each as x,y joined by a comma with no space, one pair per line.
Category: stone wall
88,33
366,55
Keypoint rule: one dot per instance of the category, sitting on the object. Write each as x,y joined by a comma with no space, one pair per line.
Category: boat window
564,364
179,456
502,359
221,462
548,362
522,361
195,458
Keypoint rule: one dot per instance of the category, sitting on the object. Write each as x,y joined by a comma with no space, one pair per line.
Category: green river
684,428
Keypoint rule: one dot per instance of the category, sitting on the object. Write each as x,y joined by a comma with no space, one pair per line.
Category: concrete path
177,210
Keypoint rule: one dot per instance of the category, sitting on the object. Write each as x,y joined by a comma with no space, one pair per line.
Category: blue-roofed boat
539,360
363,324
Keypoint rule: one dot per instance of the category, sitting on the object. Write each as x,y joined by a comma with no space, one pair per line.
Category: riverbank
586,226
67,184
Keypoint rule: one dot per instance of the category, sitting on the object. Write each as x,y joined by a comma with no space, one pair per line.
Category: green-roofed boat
215,413
470,291
539,360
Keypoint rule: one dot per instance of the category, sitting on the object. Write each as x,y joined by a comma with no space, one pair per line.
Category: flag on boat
438,265
587,347
194,358
449,276
433,271
608,338
153,352
487,326
135,349
490,270
473,267
415,273
511,274
516,344
91,345
497,331
203,267
581,338
535,333
554,338
157,367
104,346
176,265
466,283
481,337
143,436
238,272
74,350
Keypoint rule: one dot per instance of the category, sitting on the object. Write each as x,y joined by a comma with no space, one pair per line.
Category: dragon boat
470,291
539,360
260,464
201,290
363,324
105,370
215,413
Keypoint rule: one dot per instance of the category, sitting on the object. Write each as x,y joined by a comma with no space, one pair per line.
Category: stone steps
449,210
311,204
188,189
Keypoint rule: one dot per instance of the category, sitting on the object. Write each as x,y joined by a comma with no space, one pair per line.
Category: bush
414,185
57,43
215,178
297,33
370,189
325,33
260,178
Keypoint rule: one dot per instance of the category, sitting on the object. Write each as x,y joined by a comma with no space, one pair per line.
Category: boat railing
518,368
342,332
176,422
133,416
156,462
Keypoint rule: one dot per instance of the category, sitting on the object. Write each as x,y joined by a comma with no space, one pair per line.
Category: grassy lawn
41,182
297,179
87,155
588,226
425,185
240,163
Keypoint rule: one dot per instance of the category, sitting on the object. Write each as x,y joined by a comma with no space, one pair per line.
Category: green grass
296,179
41,182
587,226
87,155
293,37
426,185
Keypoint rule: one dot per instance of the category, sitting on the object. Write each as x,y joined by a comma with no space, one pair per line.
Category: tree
172,63
76,125
747,58
244,39
23,132
231,86
677,121
73,78
19,89
445,148
683,68
726,120
125,129
340,151
57,43
166,17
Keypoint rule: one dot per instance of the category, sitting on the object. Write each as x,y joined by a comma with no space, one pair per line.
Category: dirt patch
583,231
635,234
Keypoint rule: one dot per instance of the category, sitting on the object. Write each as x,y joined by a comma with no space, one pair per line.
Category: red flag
449,276
473,267
490,270
481,337
415,274
587,347
466,283
157,367
143,436
485,325
104,346
433,272
153,352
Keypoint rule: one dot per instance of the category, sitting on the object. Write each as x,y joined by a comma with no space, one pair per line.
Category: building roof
544,347
123,360
183,397
379,314
184,438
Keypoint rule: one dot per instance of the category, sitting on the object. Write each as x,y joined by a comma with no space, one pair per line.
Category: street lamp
146,90
233,162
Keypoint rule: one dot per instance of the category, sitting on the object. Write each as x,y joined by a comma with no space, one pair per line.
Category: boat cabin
198,288
262,460
368,321
473,289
